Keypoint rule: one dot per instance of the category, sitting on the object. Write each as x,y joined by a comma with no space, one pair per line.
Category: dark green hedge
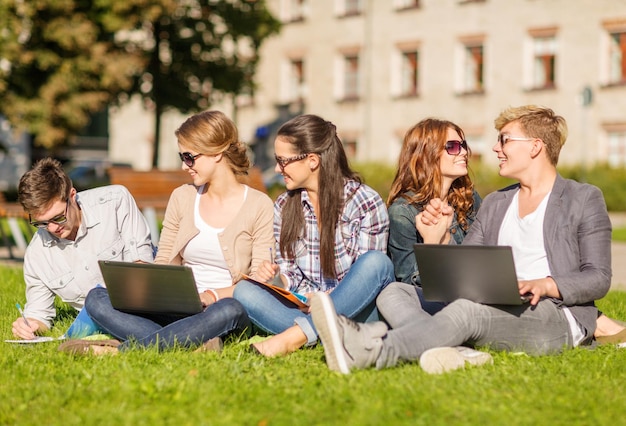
611,181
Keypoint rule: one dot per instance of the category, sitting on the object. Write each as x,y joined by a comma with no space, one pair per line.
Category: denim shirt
403,235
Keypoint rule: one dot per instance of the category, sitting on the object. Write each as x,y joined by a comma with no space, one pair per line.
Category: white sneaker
441,360
347,344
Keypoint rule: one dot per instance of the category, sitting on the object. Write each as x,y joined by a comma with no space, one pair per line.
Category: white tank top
204,254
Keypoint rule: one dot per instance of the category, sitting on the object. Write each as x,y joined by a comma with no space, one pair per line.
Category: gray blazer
577,238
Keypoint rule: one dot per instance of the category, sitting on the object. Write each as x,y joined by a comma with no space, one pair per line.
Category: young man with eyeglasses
560,234
75,230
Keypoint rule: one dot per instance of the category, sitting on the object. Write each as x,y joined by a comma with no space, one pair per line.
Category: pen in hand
276,278
19,308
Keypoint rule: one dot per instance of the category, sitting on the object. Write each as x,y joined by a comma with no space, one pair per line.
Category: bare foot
605,326
284,343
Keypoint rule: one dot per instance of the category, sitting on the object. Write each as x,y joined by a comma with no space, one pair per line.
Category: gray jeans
537,330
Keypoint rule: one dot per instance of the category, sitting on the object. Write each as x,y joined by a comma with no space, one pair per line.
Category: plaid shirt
363,226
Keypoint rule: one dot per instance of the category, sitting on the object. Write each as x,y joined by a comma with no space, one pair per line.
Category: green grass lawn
40,385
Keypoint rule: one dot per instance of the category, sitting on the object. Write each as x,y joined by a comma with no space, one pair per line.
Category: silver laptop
147,288
484,274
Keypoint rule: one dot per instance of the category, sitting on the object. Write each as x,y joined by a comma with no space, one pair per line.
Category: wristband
214,293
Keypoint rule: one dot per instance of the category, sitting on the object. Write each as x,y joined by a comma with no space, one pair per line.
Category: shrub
612,181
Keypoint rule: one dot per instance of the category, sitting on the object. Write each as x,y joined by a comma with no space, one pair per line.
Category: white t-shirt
525,236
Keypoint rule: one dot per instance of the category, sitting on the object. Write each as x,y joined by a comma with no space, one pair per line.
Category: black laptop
147,288
483,274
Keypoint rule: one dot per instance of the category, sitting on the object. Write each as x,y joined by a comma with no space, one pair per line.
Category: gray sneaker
347,344
441,360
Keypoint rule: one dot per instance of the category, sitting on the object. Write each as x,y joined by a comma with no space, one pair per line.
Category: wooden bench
152,189
13,213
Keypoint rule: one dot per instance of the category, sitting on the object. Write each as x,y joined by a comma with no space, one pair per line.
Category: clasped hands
434,222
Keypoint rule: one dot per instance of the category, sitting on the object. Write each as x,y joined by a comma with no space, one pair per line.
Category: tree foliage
58,65
63,60
200,51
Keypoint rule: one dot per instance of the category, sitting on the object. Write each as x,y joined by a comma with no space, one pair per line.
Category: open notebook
293,298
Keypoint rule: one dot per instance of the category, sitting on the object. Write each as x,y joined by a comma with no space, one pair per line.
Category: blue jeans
353,297
165,331
537,330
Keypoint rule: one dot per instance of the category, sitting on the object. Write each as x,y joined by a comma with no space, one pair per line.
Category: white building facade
376,67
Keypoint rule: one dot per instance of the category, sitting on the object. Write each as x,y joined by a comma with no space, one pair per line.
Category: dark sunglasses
284,162
188,158
454,147
57,220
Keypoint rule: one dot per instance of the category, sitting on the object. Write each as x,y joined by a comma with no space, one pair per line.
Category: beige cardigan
245,242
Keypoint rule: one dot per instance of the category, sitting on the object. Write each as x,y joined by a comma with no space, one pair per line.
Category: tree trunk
157,133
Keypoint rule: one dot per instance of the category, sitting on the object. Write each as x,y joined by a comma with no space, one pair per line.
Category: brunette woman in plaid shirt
331,235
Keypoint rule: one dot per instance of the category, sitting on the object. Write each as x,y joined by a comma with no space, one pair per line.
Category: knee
393,288
388,295
378,261
242,292
233,307
463,310
232,311
95,299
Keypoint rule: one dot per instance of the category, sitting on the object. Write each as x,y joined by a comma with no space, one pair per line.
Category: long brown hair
310,134
419,173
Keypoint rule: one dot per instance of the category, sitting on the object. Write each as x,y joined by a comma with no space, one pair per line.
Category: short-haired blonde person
560,234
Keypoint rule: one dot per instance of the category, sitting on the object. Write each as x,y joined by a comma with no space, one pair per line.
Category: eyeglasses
188,158
284,162
454,147
57,220
504,139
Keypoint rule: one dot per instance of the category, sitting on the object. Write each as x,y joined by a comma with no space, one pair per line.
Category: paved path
618,254
618,264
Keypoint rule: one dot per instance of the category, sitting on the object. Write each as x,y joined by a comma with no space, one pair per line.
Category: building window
294,10
348,7
617,58
473,72
296,80
544,58
406,4
409,73
353,7
617,148
350,77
